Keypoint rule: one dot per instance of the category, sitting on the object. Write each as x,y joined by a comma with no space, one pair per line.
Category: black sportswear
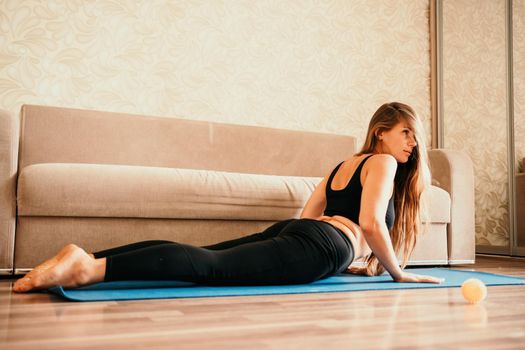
347,201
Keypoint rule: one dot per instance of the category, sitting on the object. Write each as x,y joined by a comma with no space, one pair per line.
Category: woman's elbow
307,214
312,211
370,225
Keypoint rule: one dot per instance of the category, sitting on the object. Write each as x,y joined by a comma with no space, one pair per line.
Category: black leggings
289,252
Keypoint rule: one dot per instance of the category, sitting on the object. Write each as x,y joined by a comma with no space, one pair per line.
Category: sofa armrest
9,132
452,171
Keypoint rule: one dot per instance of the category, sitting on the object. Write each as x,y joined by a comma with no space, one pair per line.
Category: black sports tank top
347,201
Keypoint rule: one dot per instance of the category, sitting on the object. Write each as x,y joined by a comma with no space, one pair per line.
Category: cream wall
474,98
321,65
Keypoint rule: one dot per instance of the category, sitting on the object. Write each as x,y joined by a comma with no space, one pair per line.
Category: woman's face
398,141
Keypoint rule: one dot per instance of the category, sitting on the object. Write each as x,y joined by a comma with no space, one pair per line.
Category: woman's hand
405,277
412,277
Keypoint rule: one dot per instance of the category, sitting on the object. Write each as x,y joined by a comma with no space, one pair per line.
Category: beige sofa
102,179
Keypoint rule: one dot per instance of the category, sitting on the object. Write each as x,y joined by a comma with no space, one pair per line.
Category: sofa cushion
98,190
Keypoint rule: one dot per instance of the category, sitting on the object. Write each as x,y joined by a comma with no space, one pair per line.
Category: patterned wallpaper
518,18
322,65
474,88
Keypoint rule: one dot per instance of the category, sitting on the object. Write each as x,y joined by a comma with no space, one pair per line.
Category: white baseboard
6,271
461,262
22,271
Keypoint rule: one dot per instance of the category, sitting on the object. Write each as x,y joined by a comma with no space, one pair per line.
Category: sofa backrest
65,135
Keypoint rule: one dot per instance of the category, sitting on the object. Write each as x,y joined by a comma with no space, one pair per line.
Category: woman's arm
316,204
378,187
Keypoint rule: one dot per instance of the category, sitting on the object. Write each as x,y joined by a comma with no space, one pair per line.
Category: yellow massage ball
474,290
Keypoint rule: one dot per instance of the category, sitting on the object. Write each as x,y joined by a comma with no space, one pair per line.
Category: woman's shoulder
381,161
376,158
369,161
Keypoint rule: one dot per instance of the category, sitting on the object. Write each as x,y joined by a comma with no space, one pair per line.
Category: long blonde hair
411,180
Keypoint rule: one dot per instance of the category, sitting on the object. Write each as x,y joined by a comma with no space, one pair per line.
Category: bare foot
42,267
51,262
71,267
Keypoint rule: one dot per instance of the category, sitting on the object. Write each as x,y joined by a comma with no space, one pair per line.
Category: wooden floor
394,319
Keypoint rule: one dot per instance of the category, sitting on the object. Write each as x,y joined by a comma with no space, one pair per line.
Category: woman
368,207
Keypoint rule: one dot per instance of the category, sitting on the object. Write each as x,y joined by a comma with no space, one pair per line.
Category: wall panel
474,100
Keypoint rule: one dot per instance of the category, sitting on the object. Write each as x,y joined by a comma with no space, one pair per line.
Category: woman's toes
22,285
73,267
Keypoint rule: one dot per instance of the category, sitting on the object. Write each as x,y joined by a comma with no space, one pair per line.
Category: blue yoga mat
128,290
